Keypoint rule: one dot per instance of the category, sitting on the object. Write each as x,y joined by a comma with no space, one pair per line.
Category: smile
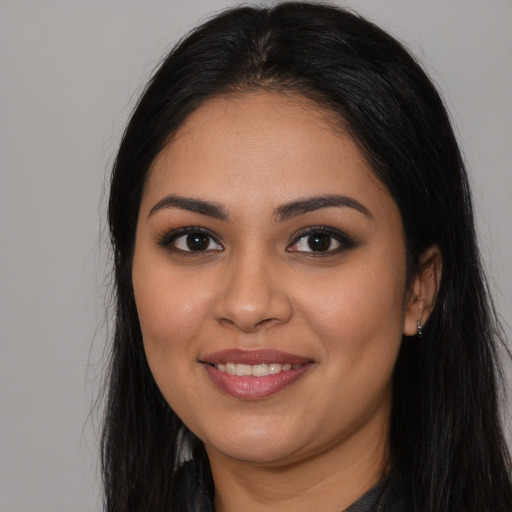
256,370
254,374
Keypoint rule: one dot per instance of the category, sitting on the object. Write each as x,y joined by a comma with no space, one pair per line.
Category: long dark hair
445,429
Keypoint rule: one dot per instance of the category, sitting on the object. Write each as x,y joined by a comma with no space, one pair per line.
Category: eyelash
344,241
168,240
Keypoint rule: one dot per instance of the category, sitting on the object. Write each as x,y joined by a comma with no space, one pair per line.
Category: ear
423,290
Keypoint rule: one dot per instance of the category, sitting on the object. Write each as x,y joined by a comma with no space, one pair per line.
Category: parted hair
446,434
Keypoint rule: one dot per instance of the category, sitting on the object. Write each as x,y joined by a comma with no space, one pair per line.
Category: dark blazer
389,495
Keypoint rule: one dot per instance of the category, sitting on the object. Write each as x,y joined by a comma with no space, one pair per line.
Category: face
270,281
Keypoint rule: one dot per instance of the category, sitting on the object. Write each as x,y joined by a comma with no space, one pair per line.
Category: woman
302,321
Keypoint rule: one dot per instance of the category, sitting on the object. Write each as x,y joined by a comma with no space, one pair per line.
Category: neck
328,481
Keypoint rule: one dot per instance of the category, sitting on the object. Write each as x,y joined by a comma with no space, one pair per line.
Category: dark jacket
389,495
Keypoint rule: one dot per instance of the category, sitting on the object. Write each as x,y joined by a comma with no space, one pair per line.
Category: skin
321,442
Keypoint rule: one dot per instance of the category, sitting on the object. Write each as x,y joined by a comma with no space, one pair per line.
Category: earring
419,329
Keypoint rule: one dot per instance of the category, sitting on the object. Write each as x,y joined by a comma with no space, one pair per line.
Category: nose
252,296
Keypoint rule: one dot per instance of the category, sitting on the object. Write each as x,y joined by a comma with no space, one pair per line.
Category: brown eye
318,242
195,242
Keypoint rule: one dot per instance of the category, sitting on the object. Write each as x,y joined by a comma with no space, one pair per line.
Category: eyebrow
310,204
282,213
200,206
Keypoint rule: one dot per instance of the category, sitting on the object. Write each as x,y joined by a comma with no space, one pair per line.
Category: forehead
261,144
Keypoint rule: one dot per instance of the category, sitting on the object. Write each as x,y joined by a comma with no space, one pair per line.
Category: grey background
69,74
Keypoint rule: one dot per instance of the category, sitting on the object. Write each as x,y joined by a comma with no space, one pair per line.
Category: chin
263,446
257,454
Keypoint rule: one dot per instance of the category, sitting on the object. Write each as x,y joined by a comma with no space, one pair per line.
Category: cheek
359,309
171,309
171,314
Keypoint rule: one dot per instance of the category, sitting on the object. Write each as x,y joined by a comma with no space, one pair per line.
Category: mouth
256,370
255,374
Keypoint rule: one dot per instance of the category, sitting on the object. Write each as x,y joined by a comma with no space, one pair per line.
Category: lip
251,387
258,356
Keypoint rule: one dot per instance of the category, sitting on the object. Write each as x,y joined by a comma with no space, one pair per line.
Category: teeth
243,369
257,370
274,368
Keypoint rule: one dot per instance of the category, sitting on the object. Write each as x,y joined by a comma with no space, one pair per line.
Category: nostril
266,322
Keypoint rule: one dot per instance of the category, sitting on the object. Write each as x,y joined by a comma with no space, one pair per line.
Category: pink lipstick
254,374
